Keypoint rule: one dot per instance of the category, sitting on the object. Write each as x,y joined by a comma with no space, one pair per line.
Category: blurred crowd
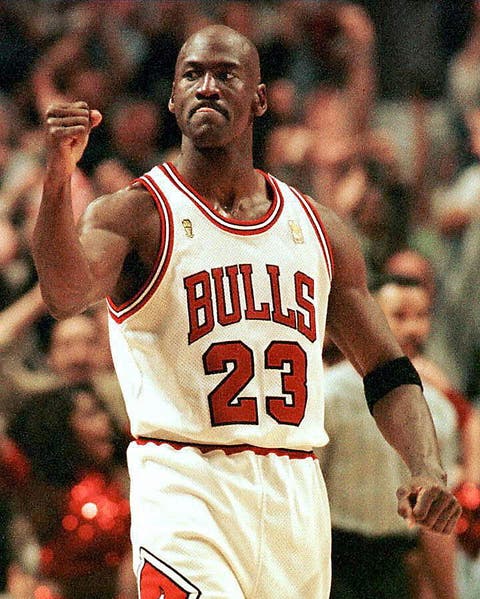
374,110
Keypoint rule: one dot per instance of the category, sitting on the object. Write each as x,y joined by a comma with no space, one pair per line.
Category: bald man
220,283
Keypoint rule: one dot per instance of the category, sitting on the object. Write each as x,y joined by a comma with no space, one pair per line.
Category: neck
227,180
220,175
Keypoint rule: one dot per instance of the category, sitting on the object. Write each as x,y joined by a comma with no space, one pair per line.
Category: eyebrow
226,64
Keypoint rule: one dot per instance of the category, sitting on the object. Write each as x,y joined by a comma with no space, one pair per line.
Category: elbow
62,312
60,308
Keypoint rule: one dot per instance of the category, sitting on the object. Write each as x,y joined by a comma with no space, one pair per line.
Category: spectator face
91,424
91,85
282,99
146,118
73,349
408,263
407,309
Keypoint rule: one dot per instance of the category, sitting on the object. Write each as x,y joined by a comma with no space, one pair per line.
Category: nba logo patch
187,225
296,231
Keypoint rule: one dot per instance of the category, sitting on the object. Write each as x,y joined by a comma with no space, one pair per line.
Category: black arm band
388,376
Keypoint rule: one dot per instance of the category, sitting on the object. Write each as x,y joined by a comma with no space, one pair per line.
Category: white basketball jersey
223,344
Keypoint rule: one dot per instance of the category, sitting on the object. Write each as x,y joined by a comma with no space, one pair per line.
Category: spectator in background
135,147
415,41
18,47
73,491
407,305
336,113
457,336
77,352
370,544
91,60
410,264
463,77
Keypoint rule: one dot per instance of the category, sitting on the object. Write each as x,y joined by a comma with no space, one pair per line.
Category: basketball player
220,280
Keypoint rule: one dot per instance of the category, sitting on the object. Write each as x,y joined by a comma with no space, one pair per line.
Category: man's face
407,310
216,91
73,349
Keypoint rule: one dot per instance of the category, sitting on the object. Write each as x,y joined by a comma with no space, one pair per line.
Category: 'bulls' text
208,306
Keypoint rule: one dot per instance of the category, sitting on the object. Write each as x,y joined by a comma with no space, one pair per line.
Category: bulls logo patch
158,580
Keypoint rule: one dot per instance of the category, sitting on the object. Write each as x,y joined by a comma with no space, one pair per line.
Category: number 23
226,407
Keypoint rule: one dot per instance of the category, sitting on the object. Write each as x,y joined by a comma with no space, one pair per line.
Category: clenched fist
68,127
429,504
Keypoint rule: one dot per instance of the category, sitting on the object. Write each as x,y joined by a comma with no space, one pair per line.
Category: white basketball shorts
218,525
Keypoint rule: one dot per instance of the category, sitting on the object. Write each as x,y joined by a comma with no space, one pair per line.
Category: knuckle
56,132
51,108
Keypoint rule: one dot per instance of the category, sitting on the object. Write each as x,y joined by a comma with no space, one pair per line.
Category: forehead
210,50
392,297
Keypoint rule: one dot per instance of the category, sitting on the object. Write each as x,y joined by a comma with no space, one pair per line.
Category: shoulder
349,264
337,229
125,210
134,198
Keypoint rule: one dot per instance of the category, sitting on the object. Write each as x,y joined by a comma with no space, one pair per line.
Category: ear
260,104
171,101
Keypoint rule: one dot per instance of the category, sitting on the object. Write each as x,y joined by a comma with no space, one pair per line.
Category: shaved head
216,92
225,37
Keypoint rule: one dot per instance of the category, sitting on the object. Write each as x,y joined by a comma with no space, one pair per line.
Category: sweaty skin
216,95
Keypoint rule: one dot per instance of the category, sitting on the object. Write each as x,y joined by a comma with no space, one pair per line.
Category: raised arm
19,315
80,264
359,328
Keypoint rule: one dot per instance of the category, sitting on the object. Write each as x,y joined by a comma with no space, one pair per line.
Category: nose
409,328
208,86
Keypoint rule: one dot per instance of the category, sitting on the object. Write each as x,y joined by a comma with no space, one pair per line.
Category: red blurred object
468,525
14,466
94,533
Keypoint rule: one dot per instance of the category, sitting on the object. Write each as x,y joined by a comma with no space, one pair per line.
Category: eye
191,75
225,76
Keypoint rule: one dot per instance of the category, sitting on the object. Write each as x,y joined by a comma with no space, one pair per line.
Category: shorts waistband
294,454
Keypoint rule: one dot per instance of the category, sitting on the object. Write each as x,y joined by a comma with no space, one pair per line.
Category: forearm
404,419
439,554
471,448
63,270
361,89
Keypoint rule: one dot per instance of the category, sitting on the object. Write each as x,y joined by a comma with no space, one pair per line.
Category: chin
208,142
208,136
411,351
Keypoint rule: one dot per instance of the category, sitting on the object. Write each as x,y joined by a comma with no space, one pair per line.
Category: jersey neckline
239,226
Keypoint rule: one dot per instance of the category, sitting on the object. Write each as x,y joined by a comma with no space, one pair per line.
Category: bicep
108,231
105,250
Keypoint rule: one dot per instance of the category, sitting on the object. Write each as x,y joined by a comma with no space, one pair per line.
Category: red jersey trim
227,224
319,229
294,454
120,312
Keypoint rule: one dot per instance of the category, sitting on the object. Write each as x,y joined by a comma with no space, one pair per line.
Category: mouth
207,108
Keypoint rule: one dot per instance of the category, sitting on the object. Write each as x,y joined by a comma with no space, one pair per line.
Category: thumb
406,501
95,118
